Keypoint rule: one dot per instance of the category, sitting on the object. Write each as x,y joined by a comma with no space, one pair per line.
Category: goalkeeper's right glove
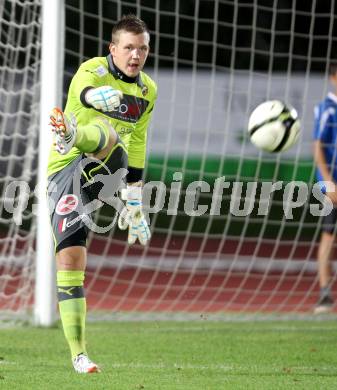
104,98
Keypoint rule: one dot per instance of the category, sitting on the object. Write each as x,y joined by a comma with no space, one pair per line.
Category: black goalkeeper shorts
329,222
70,190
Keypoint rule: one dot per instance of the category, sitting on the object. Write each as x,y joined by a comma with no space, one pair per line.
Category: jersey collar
118,74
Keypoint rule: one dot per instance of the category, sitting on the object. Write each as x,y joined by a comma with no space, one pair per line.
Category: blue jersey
325,130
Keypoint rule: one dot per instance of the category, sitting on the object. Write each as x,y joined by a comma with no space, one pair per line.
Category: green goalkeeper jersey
132,118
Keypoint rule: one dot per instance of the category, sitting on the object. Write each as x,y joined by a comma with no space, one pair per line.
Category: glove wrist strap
131,193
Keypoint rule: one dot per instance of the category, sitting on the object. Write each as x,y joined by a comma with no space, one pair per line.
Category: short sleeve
323,123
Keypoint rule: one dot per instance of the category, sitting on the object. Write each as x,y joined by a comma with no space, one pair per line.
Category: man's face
130,52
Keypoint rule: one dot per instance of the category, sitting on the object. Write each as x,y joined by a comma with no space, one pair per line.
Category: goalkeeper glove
104,98
132,216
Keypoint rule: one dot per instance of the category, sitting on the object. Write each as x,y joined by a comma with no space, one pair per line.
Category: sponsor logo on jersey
101,71
64,224
130,110
122,130
123,109
133,110
145,90
66,204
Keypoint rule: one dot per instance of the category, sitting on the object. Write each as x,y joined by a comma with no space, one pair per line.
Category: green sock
72,306
93,137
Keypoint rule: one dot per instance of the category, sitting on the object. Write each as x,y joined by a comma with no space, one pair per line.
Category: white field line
223,367
203,329
202,265
205,264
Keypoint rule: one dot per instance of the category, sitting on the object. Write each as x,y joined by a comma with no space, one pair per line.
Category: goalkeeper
108,110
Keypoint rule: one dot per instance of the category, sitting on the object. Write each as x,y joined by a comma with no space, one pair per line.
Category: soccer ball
274,126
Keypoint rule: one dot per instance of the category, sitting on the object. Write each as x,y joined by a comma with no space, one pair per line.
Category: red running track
135,289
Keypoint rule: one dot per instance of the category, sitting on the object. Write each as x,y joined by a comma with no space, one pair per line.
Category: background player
108,110
325,148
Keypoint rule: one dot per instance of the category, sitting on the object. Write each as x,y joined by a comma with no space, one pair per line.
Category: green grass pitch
176,355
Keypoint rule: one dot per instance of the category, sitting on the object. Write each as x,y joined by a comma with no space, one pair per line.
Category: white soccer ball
274,126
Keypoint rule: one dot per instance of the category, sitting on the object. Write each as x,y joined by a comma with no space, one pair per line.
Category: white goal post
52,56
235,231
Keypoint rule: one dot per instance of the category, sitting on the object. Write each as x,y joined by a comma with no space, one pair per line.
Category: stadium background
196,271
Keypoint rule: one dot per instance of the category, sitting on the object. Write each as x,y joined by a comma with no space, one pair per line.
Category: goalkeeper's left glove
104,98
132,216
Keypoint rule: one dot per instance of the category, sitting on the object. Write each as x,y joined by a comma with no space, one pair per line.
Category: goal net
234,230
19,116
